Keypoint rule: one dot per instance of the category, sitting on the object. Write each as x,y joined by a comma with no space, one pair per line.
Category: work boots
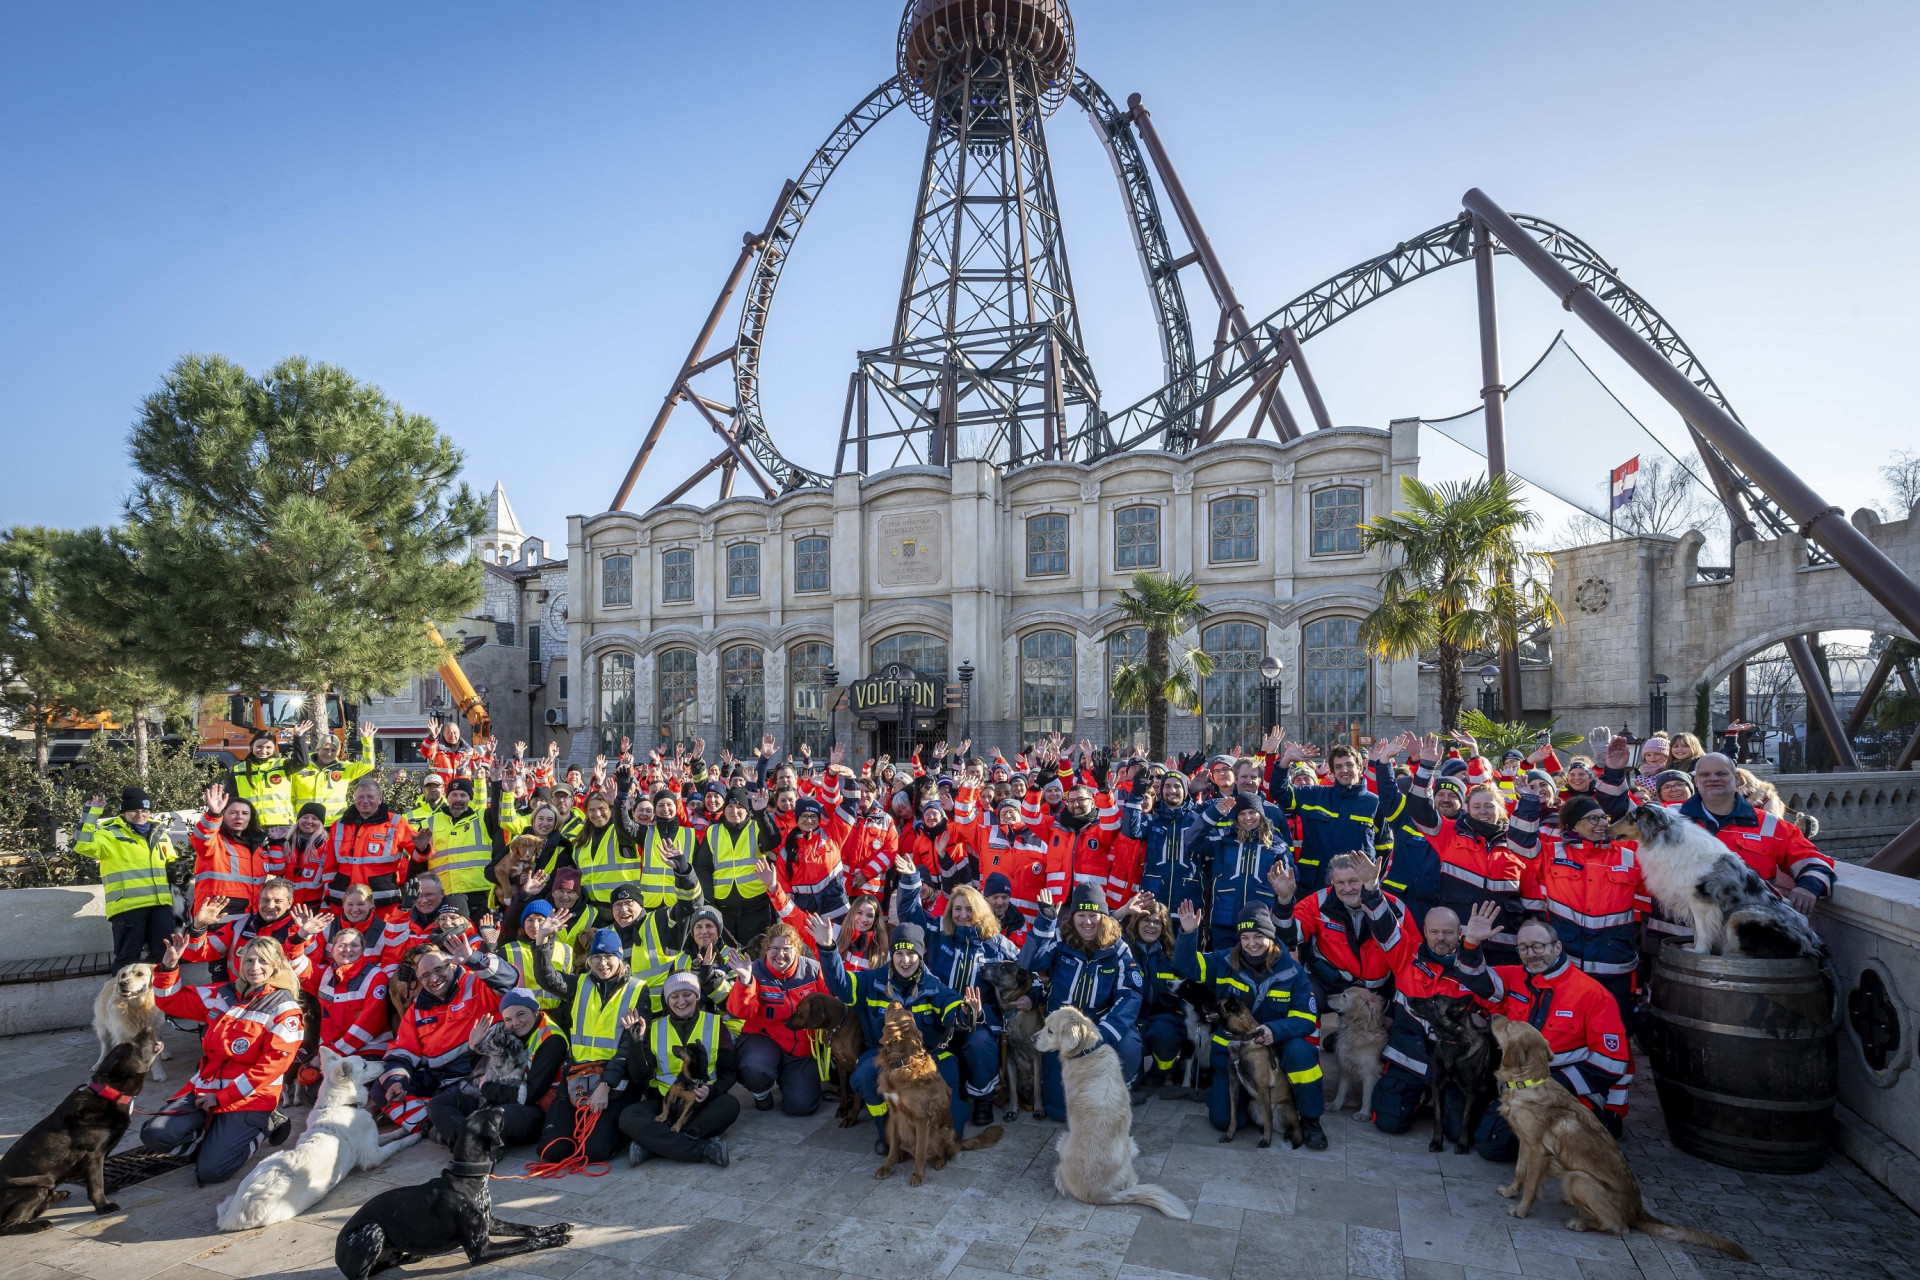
1316,1136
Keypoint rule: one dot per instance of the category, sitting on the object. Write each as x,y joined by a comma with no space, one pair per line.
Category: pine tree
50,664
295,530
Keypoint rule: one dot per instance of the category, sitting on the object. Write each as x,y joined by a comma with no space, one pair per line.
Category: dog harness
111,1094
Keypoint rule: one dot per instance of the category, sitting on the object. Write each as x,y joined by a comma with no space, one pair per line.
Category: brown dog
1019,1060
508,872
682,1099
821,1012
919,1103
1560,1138
1258,1072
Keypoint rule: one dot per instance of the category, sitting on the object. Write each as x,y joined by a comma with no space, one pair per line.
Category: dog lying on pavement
453,1211
73,1142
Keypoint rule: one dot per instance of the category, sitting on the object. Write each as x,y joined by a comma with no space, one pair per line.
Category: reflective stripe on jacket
133,868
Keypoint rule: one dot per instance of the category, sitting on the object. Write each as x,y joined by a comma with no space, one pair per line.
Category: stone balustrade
1858,812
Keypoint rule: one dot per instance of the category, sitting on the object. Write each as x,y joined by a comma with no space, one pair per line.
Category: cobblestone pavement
800,1203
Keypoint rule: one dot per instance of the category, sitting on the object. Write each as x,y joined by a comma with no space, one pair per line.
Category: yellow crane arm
460,689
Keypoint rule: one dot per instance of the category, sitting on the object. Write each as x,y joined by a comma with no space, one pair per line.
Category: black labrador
454,1211
75,1140
1461,1054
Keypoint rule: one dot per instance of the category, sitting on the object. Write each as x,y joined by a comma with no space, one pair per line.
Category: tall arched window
743,692
1336,680
925,654
1046,685
1230,697
1125,728
807,681
679,696
615,712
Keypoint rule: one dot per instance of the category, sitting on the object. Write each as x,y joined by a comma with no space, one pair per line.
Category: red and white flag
1625,477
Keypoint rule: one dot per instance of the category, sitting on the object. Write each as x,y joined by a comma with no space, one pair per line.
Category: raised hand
97,802
489,927
903,864
210,910
837,754
1469,745
1481,924
459,948
768,877
300,729
1430,751
433,726
632,1022
1189,917
176,944
823,930
366,728
1280,876
1619,753
699,746
1369,869
758,799
216,798
481,1025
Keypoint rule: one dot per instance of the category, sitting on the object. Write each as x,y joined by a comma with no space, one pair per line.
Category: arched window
679,696
807,679
925,654
676,575
743,570
743,690
1136,538
615,713
1234,524
1335,688
1230,697
616,581
1125,728
1046,546
1336,521
1046,685
811,571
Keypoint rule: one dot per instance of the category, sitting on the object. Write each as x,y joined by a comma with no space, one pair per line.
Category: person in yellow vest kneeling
650,1058
603,1007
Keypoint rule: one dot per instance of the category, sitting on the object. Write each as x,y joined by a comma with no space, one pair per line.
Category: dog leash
584,1119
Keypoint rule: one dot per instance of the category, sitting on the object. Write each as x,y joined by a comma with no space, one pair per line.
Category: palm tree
1167,672
1463,583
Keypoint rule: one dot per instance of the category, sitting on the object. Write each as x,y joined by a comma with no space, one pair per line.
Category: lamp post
966,699
1657,704
1270,668
832,674
1490,691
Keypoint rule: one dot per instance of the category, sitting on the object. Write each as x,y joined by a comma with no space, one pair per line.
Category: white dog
1097,1150
1695,877
123,1009
340,1137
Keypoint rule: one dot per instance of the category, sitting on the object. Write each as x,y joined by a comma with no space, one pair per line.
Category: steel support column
1290,342
1818,519
1901,857
1875,683
1493,401
1737,704
1820,708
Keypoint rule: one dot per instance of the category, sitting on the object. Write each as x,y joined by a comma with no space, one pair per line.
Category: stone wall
1872,925
1858,812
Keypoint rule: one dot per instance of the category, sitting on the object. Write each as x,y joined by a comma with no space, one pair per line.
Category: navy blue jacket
1281,998
934,1005
1106,985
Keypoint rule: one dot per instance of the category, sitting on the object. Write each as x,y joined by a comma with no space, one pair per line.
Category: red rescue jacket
247,1046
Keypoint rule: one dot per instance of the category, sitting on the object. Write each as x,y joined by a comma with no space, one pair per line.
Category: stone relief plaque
912,549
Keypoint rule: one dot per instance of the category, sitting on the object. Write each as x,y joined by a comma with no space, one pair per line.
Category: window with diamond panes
1046,546
1235,528
676,575
1336,521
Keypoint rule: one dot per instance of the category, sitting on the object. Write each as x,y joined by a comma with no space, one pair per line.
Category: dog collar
110,1093
1523,1084
470,1168
1084,1052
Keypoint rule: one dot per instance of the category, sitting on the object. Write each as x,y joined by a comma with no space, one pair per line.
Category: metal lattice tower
986,359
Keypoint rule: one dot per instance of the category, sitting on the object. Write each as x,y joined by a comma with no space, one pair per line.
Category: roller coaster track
1149,237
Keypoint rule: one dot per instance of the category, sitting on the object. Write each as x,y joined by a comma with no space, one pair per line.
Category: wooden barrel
1745,1054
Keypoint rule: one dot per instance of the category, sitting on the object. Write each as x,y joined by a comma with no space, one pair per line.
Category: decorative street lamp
966,698
1270,668
1657,704
1490,691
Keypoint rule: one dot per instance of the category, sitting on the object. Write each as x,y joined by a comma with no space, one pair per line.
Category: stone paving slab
800,1203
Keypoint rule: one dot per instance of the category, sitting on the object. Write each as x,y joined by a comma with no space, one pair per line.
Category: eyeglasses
1533,948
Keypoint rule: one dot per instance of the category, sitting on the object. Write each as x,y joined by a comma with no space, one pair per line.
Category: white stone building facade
721,622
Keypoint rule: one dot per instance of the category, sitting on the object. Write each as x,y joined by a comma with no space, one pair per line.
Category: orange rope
584,1118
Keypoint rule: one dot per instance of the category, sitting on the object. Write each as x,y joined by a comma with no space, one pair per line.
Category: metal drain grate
130,1167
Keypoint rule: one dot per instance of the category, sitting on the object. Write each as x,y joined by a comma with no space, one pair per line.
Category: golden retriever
1097,1150
1560,1138
1363,1037
123,1009
919,1103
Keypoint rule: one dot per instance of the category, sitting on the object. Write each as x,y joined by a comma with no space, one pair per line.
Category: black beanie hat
1086,898
910,937
315,808
132,798
1256,919
1577,808
460,784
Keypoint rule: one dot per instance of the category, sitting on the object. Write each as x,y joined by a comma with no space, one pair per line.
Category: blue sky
513,217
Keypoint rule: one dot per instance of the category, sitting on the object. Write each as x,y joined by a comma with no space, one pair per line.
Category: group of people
610,917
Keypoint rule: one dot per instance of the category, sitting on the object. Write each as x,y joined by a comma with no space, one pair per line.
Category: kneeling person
1261,975
524,1104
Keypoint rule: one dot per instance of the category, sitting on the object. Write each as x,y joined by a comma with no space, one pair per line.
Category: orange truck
226,724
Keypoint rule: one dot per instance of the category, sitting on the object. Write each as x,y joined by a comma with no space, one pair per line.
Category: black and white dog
454,1211
1695,877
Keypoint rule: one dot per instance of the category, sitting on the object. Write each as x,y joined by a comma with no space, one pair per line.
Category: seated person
604,1007
1148,929
1259,972
524,1104
647,1065
1576,1014
457,986
766,992
254,1027
1422,967
959,942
